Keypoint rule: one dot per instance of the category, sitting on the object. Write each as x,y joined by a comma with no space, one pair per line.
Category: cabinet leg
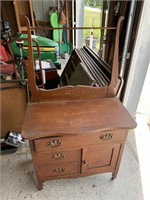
114,175
39,184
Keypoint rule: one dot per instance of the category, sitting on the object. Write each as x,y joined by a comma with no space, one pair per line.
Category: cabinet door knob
54,143
84,163
107,136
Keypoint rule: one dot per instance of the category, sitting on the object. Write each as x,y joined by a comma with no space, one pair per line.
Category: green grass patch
92,17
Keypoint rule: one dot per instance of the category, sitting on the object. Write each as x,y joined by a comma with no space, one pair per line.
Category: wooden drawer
49,158
77,141
56,170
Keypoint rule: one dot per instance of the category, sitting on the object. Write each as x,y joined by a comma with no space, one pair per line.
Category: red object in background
7,69
4,67
3,54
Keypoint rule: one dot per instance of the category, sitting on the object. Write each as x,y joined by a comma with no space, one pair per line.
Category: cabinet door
100,158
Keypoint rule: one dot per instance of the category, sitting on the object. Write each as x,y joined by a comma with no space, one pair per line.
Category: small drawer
79,140
111,136
49,158
50,143
57,170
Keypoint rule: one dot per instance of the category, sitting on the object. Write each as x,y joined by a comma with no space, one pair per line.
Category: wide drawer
56,157
56,170
77,141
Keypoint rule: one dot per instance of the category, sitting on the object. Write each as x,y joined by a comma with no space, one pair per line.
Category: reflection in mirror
85,68
48,75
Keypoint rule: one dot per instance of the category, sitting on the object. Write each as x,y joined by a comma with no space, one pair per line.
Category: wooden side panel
13,107
23,8
8,13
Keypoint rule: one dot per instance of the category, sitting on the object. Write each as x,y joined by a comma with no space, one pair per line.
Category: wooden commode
76,138
75,130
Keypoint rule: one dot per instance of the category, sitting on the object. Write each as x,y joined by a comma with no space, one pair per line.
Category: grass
92,17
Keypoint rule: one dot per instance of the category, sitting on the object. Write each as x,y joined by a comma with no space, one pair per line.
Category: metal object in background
127,37
14,139
104,17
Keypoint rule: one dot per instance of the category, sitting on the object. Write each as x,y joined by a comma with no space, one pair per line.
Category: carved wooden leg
114,174
39,184
39,180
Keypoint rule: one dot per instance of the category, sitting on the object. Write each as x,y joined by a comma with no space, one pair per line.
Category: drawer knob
84,163
107,136
57,156
59,170
54,143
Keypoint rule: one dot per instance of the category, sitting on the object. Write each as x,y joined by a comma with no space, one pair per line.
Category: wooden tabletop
74,117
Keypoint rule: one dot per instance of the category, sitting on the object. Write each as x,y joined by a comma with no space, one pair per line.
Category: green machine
60,35
49,49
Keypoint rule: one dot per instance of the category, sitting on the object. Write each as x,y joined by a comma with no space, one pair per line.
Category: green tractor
49,49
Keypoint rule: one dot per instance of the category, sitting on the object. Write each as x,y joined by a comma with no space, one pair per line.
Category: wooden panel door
100,158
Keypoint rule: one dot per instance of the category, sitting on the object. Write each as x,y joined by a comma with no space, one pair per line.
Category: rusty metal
71,28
